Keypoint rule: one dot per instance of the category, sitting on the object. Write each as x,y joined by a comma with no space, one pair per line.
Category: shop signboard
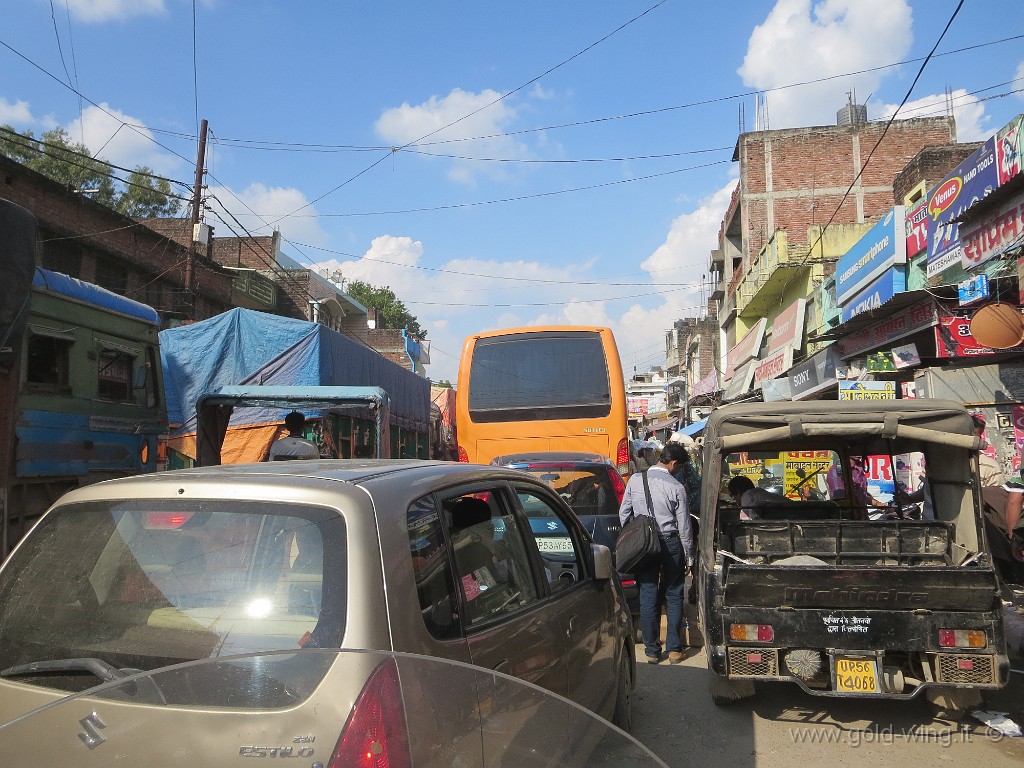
637,406
1009,146
875,295
867,390
788,327
745,348
706,386
884,245
813,375
739,384
888,329
906,356
972,291
988,235
973,180
773,364
953,337
917,229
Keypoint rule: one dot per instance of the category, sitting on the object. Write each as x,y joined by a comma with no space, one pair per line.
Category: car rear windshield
145,583
587,488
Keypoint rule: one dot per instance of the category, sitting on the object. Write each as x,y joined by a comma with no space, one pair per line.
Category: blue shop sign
973,290
973,180
884,245
875,295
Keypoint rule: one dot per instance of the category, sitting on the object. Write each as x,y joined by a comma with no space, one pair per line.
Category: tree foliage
57,157
444,383
391,310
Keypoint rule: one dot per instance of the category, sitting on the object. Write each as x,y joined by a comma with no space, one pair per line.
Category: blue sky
495,164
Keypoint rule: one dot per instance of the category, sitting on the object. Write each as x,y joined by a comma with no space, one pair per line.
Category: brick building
804,196
94,243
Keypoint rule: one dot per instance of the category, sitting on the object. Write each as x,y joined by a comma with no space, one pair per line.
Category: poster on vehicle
805,473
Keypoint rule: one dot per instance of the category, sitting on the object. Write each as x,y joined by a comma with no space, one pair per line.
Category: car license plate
554,544
856,675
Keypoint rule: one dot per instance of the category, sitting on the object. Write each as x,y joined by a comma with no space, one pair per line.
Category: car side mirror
602,561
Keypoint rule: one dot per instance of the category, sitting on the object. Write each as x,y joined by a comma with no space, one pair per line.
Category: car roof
343,476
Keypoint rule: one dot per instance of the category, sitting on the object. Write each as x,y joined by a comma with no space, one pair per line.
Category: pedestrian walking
658,491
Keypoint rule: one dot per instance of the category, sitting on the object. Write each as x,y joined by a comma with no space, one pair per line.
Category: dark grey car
420,557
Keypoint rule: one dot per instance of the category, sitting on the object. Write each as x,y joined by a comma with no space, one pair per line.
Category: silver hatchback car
428,558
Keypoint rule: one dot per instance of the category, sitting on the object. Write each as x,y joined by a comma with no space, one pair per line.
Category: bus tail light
463,456
622,456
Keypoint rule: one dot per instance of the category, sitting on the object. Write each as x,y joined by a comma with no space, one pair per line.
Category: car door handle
503,667
570,631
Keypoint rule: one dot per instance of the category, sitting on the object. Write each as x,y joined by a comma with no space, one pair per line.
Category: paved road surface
783,726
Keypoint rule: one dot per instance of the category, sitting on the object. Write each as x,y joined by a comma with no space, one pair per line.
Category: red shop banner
953,337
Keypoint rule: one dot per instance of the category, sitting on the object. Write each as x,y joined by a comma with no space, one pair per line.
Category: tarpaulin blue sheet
692,429
243,346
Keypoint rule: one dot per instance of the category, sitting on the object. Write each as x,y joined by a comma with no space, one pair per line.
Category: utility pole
197,202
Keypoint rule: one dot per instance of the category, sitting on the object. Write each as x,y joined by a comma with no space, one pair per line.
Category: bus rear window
538,376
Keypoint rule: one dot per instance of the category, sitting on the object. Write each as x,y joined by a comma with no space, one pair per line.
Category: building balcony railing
770,274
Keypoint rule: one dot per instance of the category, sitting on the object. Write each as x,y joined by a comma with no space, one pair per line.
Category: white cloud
968,111
270,204
455,117
17,114
121,139
682,258
113,10
799,42
442,299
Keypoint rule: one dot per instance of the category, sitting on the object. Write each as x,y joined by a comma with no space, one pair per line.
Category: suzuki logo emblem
92,725
552,526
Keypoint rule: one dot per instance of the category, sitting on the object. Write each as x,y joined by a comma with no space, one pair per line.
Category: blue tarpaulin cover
692,429
243,346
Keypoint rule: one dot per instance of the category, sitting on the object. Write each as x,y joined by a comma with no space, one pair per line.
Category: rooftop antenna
757,111
743,119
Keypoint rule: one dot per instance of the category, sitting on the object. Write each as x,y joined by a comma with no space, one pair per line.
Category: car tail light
375,735
628,582
167,519
760,632
617,485
463,456
622,456
962,638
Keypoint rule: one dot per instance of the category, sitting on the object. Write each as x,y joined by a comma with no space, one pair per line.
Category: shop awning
692,429
871,317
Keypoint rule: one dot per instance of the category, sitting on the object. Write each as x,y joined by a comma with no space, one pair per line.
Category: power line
280,146
476,111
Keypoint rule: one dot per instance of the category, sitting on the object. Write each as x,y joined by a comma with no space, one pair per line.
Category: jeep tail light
962,638
762,633
617,485
375,735
622,456
463,456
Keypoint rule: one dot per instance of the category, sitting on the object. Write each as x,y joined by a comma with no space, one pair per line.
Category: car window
145,583
435,583
494,575
559,551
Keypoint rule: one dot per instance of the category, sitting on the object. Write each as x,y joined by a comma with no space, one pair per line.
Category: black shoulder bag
638,544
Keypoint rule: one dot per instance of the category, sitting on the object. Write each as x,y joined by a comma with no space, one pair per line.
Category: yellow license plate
855,675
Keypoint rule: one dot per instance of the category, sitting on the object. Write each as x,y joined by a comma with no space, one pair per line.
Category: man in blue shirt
671,512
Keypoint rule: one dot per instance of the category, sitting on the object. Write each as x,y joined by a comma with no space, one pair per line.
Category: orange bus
542,388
